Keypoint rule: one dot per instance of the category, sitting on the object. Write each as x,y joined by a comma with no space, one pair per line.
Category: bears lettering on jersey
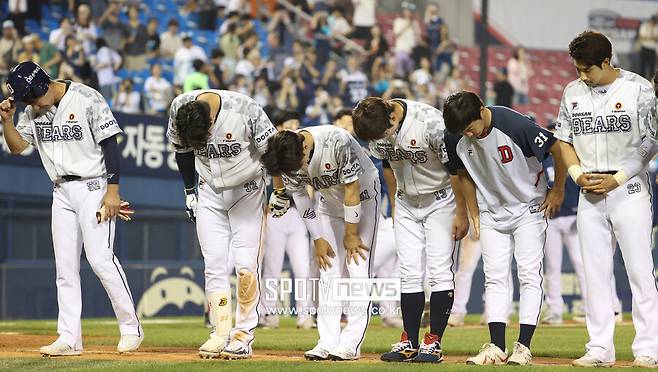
220,150
48,133
391,154
325,181
585,123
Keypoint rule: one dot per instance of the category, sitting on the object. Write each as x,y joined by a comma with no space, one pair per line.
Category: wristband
313,230
352,213
575,171
620,177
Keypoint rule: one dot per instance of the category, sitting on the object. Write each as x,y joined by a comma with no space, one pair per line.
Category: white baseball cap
8,24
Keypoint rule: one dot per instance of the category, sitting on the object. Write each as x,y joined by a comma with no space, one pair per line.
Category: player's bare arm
14,140
391,186
555,195
460,222
111,201
572,164
470,200
352,242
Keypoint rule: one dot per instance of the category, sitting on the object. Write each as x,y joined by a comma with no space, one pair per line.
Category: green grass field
188,333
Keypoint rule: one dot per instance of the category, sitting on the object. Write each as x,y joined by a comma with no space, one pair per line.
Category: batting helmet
27,81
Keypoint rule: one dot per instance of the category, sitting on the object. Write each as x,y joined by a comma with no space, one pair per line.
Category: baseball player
501,150
221,135
604,117
75,133
332,162
430,215
285,234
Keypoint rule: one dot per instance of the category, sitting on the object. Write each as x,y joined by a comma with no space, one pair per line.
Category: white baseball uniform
507,171
286,235
230,210
338,159
67,137
424,201
386,264
606,125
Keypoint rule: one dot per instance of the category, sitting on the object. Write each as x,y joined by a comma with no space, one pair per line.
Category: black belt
68,178
608,172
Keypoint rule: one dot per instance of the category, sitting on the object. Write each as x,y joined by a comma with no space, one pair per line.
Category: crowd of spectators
274,56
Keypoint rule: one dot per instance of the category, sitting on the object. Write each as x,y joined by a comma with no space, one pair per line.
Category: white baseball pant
231,219
285,235
625,213
526,243
330,309
74,225
386,264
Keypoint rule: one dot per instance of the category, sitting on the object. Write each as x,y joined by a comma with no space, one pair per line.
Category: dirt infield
19,345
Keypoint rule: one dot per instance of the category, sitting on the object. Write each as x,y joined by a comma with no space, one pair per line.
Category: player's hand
607,183
125,212
355,248
552,203
475,224
323,253
279,203
190,203
587,180
111,202
460,226
7,110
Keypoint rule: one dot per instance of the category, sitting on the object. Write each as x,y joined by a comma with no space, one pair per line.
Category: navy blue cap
27,81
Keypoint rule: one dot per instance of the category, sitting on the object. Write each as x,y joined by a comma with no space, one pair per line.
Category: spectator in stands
398,89
343,119
170,41
423,75
158,91
207,14
321,35
58,36
503,89
252,42
353,82
28,52
66,72
229,43
337,22
10,45
247,67
135,50
107,62
17,13
433,23
245,27
277,53
444,52
85,28
328,80
518,75
126,99
218,75
363,19
114,32
406,30
241,85
49,56
381,76
287,98
376,47
152,38
648,40
453,84
318,112
74,56
262,94
232,18
282,24
198,79
184,58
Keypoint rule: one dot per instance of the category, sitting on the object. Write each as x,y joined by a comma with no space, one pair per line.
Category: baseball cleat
306,323
490,354
59,348
552,319
392,322
588,360
456,319
521,356
343,353
269,321
430,350
213,347
645,361
317,353
129,343
236,349
402,351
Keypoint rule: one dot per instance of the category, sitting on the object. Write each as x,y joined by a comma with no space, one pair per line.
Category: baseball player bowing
75,132
430,214
498,152
344,227
604,117
221,135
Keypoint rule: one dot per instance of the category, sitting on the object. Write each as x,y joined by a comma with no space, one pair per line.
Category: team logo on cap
618,106
11,90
